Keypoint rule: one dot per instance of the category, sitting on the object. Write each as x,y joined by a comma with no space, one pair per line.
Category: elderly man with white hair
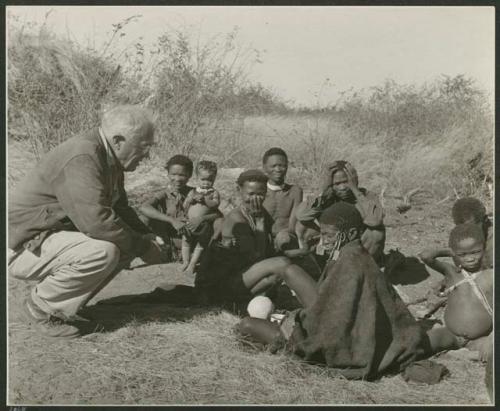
70,226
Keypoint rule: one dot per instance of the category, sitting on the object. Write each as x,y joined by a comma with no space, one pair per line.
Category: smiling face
252,195
276,167
178,175
340,187
206,178
468,253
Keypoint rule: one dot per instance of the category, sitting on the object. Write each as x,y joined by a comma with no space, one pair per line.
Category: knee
105,254
244,327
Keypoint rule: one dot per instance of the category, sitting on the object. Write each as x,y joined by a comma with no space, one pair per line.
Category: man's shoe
47,324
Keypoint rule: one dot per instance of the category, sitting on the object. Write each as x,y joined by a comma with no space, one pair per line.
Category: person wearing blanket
355,322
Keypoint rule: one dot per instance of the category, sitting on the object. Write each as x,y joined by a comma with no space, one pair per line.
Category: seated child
281,199
165,215
203,200
240,263
353,320
471,210
468,313
341,184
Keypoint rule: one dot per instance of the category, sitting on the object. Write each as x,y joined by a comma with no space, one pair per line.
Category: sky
353,47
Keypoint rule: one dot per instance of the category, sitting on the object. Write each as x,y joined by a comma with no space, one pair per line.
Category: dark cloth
71,188
220,274
221,266
358,324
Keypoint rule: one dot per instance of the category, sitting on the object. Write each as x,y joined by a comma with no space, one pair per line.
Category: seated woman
239,263
353,321
341,184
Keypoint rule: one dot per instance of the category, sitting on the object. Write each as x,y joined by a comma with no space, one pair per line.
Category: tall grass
437,136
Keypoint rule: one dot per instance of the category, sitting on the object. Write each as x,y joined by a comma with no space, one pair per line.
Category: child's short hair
467,207
342,215
463,231
180,160
274,151
210,166
251,176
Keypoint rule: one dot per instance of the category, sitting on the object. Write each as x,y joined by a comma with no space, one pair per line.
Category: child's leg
259,330
264,274
185,252
195,257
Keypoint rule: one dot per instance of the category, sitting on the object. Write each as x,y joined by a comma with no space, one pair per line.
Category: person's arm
236,227
430,258
296,200
150,210
80,188
128,214
189,200
212,200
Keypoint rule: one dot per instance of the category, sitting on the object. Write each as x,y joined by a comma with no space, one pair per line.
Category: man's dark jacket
71,189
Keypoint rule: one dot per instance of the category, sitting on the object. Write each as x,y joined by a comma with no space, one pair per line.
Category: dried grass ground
166,354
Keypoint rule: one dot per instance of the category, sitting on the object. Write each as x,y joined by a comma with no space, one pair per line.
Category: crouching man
71,229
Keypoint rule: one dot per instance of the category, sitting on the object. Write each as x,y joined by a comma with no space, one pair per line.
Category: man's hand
256,203
178,224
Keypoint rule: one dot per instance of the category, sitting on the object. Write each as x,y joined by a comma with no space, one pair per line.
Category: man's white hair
128,121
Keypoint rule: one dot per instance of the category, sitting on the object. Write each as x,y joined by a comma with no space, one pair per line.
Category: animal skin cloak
358,324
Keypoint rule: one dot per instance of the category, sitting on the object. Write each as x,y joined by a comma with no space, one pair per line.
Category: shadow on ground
168,303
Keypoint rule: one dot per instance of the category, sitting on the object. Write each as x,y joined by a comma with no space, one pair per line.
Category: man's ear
353,233
117,141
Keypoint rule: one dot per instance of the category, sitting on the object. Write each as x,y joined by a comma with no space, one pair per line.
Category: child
471,210
468,313
239,263
165,213
353,320
281,199
341,184
201,201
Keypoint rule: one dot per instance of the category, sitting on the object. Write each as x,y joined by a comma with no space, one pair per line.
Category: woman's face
340,186
252,195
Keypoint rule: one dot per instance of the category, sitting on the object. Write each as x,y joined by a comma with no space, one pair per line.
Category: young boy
201,201
341,184
165,213
281,199
468,313
240,263
353,321
471,210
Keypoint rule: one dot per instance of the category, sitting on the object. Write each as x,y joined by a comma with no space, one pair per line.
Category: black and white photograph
250,205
